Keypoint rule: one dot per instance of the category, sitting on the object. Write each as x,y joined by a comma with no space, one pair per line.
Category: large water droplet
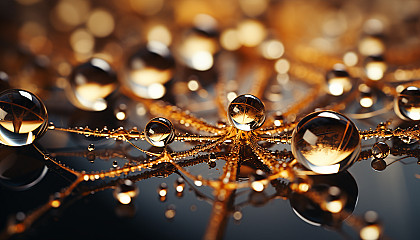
407,104
23,117
326,142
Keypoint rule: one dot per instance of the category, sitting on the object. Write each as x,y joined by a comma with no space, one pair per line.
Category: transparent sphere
90,83
23,117
246,112
380,150
338,81
407,104
326,142
159,132
147,71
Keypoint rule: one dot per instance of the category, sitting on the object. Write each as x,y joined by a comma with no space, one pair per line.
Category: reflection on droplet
338,80
200,44
407,104
91,147
148,69
23,117
159,132
380,150
90,84
367,98
326,142
371,45
246,112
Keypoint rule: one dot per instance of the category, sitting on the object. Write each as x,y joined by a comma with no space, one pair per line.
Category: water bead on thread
326,142
159,132
246,112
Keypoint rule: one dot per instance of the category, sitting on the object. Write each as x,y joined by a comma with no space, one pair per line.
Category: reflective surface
90,83
23,118
246,112
407,105
159,132
326,142
148,70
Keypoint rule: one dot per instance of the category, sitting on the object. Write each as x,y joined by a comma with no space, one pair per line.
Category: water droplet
407,104
55,200
90,84
159,132
23,117
91,147
378,164
148,70
126,191
212,157
326,142
162,190
380,150
375,67
246,112
338,81
114,164
179,185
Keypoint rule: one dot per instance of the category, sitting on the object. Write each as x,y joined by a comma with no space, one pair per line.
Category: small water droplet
91,147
